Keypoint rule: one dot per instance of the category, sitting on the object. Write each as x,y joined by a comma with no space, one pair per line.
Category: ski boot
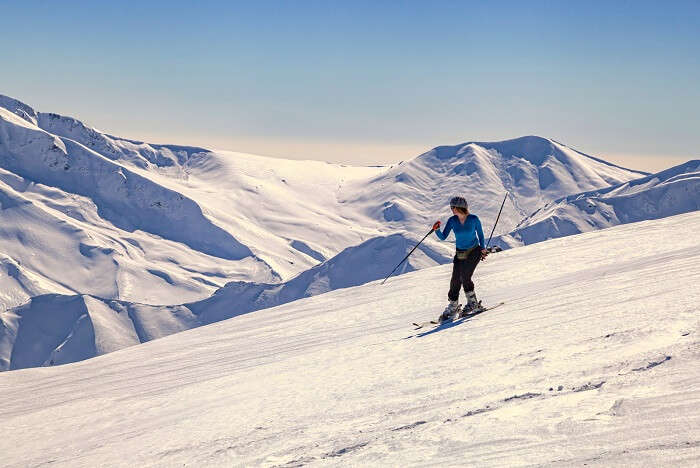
473,306
451,311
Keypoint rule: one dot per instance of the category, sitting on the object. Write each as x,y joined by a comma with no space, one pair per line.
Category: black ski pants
462,271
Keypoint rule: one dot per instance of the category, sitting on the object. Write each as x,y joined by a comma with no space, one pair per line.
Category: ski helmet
458,202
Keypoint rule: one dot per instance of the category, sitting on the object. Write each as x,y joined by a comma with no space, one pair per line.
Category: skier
470,250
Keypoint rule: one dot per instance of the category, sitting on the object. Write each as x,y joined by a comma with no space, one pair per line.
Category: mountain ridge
212,201
168,229
666,193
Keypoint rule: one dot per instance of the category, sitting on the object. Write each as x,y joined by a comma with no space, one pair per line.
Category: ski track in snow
592,360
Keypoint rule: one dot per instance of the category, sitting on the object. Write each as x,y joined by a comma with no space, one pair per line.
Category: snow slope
593,360
76,219
533,170
122,197
166,224
159,244
54,329
667,193
371,260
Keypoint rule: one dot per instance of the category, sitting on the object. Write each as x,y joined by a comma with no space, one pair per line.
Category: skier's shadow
441,327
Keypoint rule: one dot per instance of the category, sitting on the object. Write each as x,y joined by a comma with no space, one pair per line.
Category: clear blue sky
363,82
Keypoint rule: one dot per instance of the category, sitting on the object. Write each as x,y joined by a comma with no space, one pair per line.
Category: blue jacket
466,233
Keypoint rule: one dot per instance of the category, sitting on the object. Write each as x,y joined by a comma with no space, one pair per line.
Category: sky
366,82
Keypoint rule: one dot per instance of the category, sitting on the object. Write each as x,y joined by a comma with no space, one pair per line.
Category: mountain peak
534,170
534,149
529,145
19,108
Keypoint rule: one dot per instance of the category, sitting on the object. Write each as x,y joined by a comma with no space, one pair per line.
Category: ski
483,309
433,322
420,325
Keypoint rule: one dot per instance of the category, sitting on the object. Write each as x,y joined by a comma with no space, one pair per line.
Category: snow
165,224
107,242
593,360
50,320
357,265
672,191
532,170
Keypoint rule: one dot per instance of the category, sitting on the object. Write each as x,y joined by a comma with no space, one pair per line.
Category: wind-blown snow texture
593,360
667,193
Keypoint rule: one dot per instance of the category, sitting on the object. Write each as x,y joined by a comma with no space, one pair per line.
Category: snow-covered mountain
90,213
369,261
667,193
591,361
93,225
531,169
54,329
75,218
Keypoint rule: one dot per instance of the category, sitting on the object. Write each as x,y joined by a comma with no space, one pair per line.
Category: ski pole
499,215
409,254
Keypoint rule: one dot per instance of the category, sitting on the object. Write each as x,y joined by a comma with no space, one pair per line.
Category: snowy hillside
54,329
169,222
533,170
371,260
593,360
667,193
85,212
77,219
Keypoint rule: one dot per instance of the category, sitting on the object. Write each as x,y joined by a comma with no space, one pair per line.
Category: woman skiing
470,250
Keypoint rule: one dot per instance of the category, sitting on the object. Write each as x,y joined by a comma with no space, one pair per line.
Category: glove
436,226
484,253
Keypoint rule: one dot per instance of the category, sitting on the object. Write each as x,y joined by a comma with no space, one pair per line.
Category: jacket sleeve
480,233
446,232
